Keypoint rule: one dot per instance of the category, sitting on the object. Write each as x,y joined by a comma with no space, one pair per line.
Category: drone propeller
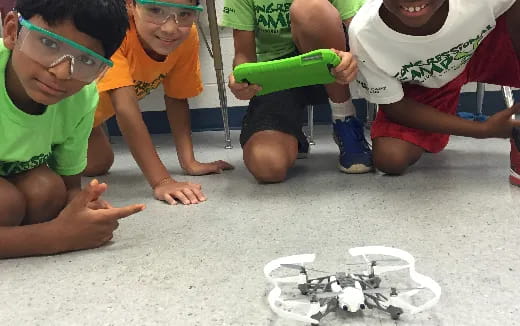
296,260
318,271
373,261
393,290
277,305
321,295
303,269
326,295
424,281
294,266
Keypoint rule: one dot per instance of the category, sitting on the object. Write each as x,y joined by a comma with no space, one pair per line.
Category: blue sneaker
355,155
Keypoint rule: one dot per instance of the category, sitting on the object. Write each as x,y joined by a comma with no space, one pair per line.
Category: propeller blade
356,264
319,271
303,268
399,290
303,300
375,260
385,269
326,295
293,266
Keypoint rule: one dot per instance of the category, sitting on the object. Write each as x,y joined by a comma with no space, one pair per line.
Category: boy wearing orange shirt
161,47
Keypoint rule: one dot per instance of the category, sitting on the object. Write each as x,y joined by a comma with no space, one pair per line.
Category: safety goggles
50,49
158,12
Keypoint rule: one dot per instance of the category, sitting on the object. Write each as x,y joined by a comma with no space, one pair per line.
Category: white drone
348,292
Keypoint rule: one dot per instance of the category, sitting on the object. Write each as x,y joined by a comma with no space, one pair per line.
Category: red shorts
494,62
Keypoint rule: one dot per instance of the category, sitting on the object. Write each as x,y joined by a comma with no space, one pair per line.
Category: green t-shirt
58,137
271,23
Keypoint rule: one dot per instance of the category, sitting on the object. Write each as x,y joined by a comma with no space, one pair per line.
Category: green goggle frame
169,4
80,47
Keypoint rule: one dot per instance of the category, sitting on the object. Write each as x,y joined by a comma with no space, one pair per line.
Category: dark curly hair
104,20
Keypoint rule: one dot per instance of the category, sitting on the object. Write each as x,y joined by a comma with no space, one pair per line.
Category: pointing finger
122,212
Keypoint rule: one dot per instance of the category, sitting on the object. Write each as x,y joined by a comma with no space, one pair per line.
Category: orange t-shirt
179,73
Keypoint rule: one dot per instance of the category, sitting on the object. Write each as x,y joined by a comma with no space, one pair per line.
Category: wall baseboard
211,118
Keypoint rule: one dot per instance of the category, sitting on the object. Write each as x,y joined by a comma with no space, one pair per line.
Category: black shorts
281,111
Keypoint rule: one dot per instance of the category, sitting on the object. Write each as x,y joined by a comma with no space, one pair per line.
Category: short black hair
198,2
104,20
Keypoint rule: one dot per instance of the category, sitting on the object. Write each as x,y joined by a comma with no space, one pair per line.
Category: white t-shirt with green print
271,23
386,58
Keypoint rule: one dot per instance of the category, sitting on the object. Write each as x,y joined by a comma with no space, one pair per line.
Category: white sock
342,110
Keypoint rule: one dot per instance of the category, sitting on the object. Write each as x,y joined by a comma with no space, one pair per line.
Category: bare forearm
136,134
28,240
141,146
412,114
245,47
179,117
243,58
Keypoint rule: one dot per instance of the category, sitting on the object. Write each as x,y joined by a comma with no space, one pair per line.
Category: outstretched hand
87,221
346,70
500,124
186,192
198,168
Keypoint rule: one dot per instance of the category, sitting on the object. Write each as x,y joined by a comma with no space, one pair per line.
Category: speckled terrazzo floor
202,265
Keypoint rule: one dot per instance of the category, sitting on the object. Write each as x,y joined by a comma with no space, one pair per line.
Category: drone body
348,292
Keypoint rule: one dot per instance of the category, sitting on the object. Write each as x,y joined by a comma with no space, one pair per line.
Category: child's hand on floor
346,70
198,168
500,124
87,221
243,91
185,192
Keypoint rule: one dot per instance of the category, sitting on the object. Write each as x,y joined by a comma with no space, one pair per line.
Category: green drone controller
311,68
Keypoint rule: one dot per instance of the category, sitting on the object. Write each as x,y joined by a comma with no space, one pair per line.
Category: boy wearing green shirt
52,51
272,136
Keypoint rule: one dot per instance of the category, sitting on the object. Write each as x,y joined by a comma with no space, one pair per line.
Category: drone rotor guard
423,280
274,297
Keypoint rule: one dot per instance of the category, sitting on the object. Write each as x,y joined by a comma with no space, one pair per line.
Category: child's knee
12,205
272,174
45,198
390,164
394,156
267,166
100,164
307,11
100,156
394,161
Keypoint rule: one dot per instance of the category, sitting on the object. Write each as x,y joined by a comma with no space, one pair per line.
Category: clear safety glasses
158,12
50,49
